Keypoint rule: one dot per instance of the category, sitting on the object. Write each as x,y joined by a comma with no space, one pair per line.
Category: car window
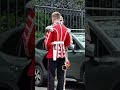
77,47
81,38
100,47
21,50
40,45
13,45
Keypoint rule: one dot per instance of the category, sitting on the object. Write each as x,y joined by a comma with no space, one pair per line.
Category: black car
75,56
13,61
103,71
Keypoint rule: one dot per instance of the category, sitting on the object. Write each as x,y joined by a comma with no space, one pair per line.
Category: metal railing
99,11
6,9
72,18
78,31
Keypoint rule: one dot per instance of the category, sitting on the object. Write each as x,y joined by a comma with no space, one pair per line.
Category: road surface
69,86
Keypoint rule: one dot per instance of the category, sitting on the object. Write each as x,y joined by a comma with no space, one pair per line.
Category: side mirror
71,47
89,50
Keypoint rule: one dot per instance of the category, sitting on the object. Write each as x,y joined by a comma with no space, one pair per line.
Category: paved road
69,86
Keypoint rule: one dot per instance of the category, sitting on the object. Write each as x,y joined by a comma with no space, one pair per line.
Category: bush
39,34
11,21
40,25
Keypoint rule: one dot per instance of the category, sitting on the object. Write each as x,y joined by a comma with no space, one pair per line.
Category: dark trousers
52,66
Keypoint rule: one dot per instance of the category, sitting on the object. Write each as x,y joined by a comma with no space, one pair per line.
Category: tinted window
77,47
40,45
13,45
100,48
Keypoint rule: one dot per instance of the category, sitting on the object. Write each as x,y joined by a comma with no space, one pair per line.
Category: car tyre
39,76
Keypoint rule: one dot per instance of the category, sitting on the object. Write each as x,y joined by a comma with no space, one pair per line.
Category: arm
47,40
67,40
71,40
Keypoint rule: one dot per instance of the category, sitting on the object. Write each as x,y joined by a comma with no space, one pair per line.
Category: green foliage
39,34
70,4
79,2
41,2
42,20
11,21
40,24
3,17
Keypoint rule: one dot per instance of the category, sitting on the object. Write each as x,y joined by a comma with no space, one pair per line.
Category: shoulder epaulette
50,28
69,30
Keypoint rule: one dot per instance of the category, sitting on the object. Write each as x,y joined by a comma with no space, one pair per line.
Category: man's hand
67,63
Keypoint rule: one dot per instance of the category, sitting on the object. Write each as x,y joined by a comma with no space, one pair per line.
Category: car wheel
39,76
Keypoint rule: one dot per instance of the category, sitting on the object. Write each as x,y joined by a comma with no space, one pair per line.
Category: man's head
61,20
55,16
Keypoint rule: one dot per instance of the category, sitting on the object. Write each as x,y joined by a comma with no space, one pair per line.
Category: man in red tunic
56,41
28,38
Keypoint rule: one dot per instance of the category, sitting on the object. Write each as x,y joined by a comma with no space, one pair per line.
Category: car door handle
13,68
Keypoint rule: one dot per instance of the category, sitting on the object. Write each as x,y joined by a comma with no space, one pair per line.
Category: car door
101,71
12,58
40,47
76,58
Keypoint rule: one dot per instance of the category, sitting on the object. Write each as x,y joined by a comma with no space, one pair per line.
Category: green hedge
39,35
42,19
11,21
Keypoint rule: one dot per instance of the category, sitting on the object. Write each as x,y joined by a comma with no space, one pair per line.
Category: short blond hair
56,15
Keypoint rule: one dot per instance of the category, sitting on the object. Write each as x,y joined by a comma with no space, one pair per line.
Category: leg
55,81
60,73
51,73
32,84
24,82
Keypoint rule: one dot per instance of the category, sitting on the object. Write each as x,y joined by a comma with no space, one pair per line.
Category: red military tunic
57,32
28,37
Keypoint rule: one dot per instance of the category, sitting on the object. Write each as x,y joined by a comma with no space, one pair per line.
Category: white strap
57,42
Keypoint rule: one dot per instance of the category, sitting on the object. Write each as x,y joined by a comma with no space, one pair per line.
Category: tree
70,4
